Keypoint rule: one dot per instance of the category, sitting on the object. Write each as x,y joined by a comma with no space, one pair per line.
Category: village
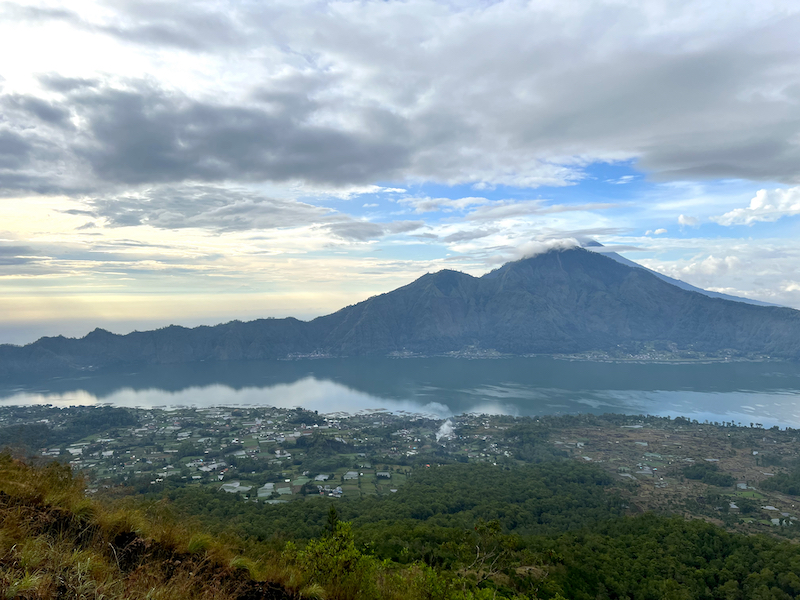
275,455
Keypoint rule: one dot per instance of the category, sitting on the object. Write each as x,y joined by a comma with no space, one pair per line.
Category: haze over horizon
197,163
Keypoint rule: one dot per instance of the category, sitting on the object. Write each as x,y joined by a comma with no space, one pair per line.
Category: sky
197,162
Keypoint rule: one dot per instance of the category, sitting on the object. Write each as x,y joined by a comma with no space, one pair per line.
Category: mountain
561,302
565,301
596,247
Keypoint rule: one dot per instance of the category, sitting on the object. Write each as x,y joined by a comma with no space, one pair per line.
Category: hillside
56,543
553,530
560,302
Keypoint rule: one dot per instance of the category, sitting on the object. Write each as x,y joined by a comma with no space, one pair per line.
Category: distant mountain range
571,301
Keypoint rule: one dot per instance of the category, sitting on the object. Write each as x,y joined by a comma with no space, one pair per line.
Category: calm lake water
766,393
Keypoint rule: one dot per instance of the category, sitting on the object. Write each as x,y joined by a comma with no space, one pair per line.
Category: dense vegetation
435,507
709,474
665,558
549,531
545,531
56,543
75,424
788,483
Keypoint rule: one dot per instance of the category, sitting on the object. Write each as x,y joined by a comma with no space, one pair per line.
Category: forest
551,531
564,507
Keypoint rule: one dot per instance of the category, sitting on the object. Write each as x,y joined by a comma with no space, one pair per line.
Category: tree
333,520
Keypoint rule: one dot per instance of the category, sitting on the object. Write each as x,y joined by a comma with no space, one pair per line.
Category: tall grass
57,543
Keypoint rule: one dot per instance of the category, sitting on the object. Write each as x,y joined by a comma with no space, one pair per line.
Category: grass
755,495
57,543
398,479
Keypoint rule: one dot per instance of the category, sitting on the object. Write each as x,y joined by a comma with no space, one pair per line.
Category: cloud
661,231
403,226
147,136
38,109
211,207
622,180
359,190
218,208
711,266
16,255
469,235
423,205
144,135
760,269
766,206
484,93
359,231
509,209
533,248
362,231
14,149
58,83
147,23
685,221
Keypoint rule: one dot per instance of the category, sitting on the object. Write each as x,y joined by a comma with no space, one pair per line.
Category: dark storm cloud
502,93
14,150
38,109
145,136
37,147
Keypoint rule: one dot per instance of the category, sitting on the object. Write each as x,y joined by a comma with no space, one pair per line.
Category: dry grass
56,543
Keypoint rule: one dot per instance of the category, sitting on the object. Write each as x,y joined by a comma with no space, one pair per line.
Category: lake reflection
766,393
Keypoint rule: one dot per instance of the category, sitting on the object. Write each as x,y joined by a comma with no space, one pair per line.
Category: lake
743,392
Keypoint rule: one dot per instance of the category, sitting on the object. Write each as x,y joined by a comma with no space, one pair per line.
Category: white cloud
766,206
763,269
533,248
661,231
353,191
622,180
685,221
506,209
711,266
423,205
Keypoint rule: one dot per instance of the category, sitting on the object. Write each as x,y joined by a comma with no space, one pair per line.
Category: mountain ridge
595,247
566,301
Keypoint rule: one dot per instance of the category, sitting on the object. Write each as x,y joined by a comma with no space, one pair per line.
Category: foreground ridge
57,543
